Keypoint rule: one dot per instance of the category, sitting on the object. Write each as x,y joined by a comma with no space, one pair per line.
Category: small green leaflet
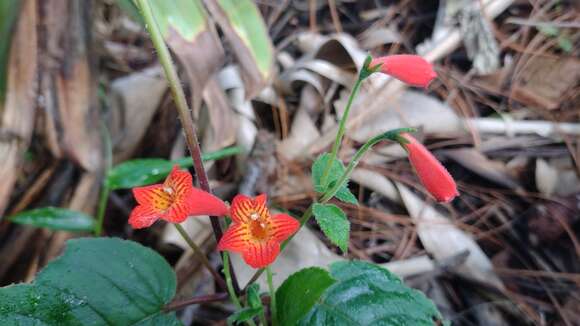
366,294
55,218
97,281
333,223
299,292
336,171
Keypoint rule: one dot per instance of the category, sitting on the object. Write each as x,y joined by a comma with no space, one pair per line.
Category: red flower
431,172
255,233
173,201
411,69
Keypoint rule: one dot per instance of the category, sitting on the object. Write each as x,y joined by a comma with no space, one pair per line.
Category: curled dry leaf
135,100
68,84
478,163
230,80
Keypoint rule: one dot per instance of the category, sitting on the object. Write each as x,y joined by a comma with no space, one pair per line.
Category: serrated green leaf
243,315
97,281
142,172
366,294
299,292
55,218
335,172
343,194
253,295
333,223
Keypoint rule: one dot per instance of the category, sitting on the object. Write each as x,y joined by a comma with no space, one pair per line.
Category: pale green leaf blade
333,223
366,294
247,33
55,218
299,292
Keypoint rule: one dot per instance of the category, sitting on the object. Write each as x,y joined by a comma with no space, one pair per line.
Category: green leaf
335,172
299,292
253,295
366,294
129,7
142,172
243,315
9,10
333,223
186,17
55,218
138,172
97,281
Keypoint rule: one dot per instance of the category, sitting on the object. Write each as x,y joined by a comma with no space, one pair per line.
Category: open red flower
254,232
411,69
431,172
173,201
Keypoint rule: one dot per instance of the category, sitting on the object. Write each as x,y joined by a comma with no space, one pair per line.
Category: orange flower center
258,228
164,199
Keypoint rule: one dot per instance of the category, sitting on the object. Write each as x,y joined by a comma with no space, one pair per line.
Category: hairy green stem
273,308
182,107
230,286
103,198
341,129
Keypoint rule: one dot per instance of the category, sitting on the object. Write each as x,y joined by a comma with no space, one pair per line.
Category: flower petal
283,226
153,196
142,216
179,181
431,172
235,239
243,207
238,208
261,254
261,200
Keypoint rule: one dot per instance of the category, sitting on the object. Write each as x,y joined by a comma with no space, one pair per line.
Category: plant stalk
273,308
341,129
200,255
105,189
230,286
182,108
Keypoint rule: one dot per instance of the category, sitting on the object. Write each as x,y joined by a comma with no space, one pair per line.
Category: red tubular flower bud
411,69
431,172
